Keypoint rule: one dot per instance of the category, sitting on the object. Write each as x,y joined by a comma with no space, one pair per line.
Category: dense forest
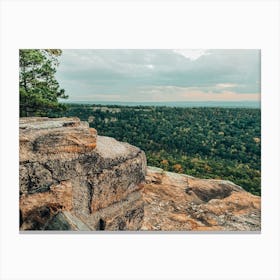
221,143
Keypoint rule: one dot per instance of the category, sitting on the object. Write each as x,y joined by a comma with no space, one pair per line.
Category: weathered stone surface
117,183
42,138
37,208
106,176
127,214
180,202
65,221
59,196
72,179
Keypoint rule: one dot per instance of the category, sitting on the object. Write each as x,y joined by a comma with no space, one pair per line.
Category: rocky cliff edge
72,179
175,202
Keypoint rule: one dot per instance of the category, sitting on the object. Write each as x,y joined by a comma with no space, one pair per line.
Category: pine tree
38,88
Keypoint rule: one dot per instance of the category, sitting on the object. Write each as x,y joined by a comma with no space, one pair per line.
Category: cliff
72,179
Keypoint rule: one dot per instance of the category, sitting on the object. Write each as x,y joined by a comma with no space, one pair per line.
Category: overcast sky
160,75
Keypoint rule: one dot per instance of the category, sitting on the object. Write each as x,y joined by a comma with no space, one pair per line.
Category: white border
158,24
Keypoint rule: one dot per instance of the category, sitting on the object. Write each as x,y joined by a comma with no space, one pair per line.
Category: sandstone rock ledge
72,179
176,202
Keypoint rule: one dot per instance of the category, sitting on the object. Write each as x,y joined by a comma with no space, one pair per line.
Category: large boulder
66,168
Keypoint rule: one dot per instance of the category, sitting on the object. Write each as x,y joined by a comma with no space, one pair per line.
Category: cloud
192,54
226,85
150,66
174,93
162,74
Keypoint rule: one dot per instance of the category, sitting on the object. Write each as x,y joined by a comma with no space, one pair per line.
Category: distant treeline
222,143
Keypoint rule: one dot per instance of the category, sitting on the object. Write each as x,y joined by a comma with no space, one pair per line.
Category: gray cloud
143,75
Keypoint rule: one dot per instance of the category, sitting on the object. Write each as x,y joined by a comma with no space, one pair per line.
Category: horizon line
177,101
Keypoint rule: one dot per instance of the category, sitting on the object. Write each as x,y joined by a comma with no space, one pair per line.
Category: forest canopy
219,143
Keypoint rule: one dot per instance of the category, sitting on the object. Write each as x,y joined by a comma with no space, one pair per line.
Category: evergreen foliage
38,88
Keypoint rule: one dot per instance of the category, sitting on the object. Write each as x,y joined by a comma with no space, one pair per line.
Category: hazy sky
160,75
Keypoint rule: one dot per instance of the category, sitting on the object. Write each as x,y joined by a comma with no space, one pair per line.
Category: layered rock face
175,202
72,179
